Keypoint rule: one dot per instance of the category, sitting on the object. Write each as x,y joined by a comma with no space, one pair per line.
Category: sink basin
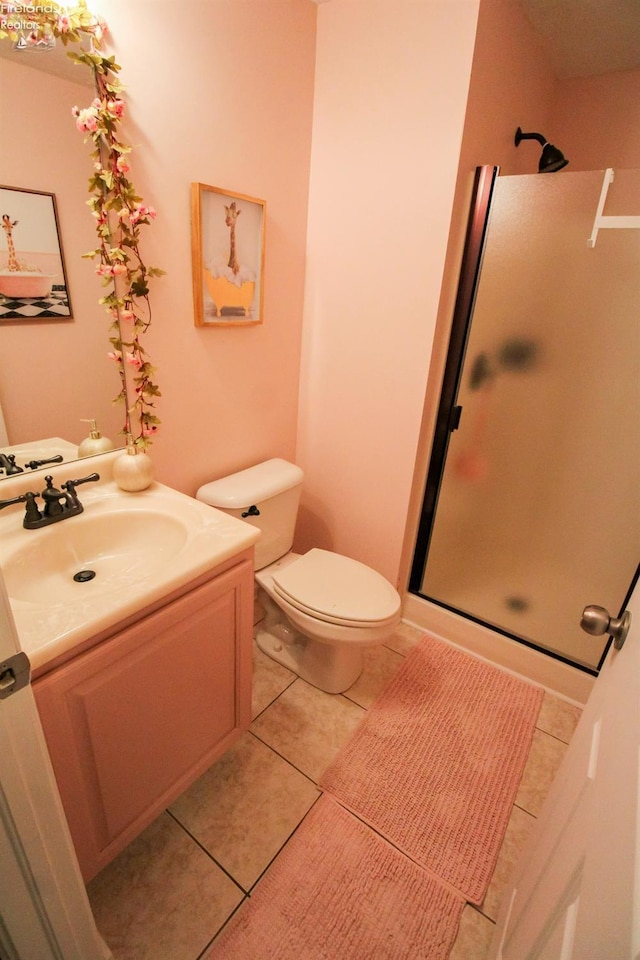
103,552
73,580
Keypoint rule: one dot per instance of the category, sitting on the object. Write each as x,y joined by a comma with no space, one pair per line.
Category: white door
576,892
44,910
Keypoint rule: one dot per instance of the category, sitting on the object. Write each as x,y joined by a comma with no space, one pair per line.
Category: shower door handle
596,621
454,419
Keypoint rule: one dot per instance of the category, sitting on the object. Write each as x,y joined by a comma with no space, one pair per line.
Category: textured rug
338,891
436,762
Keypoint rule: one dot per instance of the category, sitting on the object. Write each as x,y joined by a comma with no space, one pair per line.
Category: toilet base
330,667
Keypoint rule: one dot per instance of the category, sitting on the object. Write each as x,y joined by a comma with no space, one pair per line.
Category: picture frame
33,275
227,252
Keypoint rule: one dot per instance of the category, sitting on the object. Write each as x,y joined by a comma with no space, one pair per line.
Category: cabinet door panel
154,713
132,722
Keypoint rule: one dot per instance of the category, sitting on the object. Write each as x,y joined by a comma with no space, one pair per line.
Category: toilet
321,609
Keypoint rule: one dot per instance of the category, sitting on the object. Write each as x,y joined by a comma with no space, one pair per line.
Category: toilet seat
337,589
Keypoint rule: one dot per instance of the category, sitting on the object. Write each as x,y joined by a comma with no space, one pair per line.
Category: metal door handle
596,621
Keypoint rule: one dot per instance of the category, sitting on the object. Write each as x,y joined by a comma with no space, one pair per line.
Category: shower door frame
449,413
448,416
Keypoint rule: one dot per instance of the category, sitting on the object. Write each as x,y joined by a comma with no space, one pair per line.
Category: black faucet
58,504
9,465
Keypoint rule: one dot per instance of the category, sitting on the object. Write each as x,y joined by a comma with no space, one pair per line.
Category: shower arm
529,136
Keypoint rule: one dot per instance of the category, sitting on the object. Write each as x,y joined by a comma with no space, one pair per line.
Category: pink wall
391,87
511,86
221,93
600,120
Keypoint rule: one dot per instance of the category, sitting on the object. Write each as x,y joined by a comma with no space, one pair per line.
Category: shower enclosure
532,502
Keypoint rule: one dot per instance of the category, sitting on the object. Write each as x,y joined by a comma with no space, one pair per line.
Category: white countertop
52,621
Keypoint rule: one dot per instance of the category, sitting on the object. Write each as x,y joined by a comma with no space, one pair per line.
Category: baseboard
559,678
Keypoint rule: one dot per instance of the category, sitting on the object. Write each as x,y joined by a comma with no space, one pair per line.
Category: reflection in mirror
53,374
118,216
33,280
537,506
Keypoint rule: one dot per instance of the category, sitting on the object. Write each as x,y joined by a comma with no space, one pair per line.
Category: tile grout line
554,736
292,765
276,855
207,852
248,893
275,699
221,928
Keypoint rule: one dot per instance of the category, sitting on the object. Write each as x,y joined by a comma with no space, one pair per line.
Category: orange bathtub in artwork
227,294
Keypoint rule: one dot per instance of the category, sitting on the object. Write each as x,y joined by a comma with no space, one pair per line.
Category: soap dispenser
133,470
94,443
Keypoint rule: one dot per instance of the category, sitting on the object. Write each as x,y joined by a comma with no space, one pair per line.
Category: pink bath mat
436,762
340,891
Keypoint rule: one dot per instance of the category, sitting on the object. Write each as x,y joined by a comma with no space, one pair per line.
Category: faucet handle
20,499
34,464
32,514
70,484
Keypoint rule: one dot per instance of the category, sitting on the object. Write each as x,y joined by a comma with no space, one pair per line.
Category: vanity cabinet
134,720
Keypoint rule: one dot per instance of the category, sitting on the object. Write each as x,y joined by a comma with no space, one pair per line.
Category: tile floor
171,891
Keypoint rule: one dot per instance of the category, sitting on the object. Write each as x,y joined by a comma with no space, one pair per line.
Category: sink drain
82,576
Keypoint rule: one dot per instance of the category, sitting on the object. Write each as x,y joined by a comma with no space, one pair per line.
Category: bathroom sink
93,553
72,580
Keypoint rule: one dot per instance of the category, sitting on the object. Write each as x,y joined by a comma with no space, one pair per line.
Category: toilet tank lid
252,485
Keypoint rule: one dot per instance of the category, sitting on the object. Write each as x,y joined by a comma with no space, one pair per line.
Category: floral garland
119,212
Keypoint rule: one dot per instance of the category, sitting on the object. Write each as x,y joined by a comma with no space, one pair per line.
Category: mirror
60,360
54,373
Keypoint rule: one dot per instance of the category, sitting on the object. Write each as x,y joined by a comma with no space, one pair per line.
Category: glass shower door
538,510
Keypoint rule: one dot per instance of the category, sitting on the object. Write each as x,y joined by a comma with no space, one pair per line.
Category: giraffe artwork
231,215
33,283
8,224
228,256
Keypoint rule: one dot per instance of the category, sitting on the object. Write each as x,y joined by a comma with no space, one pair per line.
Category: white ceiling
587,37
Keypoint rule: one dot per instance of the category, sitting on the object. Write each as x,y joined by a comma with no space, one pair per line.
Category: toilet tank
273,489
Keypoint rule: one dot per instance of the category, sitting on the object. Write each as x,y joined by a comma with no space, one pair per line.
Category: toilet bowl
321,609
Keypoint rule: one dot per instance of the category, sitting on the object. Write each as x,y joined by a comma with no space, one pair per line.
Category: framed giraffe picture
227,249
33,278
